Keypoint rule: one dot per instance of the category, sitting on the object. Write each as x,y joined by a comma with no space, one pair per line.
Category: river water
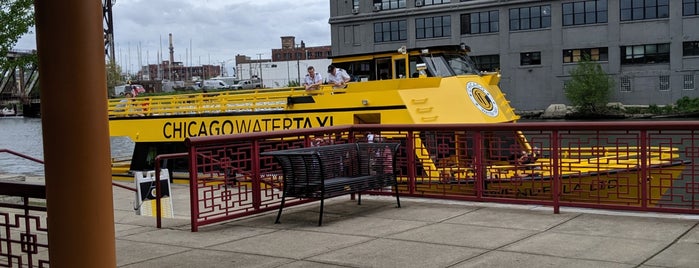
23,135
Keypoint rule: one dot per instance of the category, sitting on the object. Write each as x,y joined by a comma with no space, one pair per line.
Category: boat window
383,68
358,71
461,64
437,66
414,60
400,68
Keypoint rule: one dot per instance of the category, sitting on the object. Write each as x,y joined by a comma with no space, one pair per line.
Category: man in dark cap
338,77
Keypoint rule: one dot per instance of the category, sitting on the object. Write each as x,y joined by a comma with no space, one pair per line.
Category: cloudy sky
217,29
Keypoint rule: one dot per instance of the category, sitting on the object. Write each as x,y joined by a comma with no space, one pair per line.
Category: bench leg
359,198
395,186
320,219
281,206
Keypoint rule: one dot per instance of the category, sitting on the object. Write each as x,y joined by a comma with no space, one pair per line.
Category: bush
590,88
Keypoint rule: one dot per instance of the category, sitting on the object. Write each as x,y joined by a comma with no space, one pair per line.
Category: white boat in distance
7,112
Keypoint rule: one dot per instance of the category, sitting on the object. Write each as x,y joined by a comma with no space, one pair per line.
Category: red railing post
644,169
158,193
410,151
556,171
256,182
193,187
480,174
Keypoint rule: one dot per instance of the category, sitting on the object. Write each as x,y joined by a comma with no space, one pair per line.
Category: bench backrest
305,169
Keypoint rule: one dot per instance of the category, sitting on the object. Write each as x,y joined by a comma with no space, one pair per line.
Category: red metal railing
23,227
613,165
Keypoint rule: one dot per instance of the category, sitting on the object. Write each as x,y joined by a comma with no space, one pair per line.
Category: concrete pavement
423,233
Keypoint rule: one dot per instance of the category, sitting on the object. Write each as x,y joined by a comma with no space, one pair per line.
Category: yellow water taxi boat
435,85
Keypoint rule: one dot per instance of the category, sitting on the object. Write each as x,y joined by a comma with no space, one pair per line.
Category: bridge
19,82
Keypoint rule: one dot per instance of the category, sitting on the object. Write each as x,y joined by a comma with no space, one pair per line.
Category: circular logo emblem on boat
482,99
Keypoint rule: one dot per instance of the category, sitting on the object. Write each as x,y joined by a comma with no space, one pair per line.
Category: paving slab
588,247
500,259
397,253
692,236
364,226
311,264
210,259
208,236
465,235
628,227
291,244
131,252
422,211
678,255
513,218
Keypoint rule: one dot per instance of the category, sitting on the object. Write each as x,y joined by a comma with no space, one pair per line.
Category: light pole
259,56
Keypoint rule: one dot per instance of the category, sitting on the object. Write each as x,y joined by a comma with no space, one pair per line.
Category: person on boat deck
121,107
313,80
123,103
527,158
338,77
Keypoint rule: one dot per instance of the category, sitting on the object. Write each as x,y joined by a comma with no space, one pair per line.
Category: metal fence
23,226
643,166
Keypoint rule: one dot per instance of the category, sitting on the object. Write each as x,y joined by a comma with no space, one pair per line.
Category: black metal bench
333,170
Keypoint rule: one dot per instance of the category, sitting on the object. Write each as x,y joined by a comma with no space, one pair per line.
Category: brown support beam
75,133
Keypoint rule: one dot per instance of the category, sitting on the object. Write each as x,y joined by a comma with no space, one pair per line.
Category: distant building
291,51
650,48
177,71
289,64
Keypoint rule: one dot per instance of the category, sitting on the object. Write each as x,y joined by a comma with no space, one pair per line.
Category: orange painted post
75,133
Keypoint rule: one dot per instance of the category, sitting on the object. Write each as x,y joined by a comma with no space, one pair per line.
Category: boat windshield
445,65
461,64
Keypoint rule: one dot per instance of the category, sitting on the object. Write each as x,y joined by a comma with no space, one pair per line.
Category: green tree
16,18
590,88
114,77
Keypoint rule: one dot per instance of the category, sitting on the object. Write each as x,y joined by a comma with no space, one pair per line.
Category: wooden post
75,128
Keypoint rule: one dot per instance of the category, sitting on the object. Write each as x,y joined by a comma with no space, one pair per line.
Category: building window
390,31
690,7
688,82
641,54
390,4
435,2
355,4
530,18
480,22
625,84
593,54
690,48
644,9
664,82
319,54
530,58
278,56
487,63
287,56
433,27
584,12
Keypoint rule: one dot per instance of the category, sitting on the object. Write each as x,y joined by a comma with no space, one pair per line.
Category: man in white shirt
338,77
313,80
